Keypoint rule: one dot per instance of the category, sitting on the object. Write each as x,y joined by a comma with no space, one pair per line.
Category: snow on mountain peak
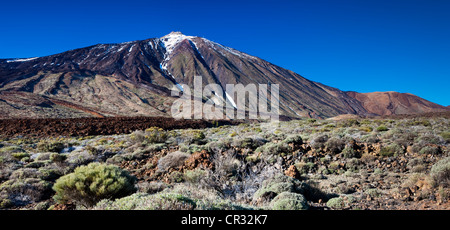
172,39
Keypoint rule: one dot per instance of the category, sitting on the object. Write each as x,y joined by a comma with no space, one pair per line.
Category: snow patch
131,48
21,59
171,40
215,45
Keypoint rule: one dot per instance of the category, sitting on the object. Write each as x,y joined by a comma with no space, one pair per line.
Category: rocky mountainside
136,79
392,103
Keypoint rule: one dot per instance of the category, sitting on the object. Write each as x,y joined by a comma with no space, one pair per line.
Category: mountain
136,78
392,103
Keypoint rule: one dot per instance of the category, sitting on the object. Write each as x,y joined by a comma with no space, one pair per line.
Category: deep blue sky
358,45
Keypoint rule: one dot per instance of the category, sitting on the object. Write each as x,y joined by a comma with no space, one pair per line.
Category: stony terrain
54,127
346,163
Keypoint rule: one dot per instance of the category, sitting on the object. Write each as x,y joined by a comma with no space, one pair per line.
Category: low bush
349,152
366,129
274,148
196,137
336,203
349,123
373,192
293,139
50,146
430,150
304,168
319,142
289,201
151,135
172,160
151,187
144,201
446,136
249,143
94,182
382,128
440,172
277,185
56,157
429,138
335,145
23,191
20,155
10,149
169,200
194,176
391,150
156,135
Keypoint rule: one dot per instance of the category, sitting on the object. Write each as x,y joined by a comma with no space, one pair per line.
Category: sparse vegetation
300,164
91,183
440,172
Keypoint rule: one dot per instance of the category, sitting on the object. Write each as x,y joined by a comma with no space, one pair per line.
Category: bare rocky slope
392,103
136,78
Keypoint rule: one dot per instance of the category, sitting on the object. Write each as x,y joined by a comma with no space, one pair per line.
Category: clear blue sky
358,45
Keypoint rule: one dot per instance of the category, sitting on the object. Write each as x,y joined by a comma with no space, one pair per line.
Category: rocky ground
73,127
355,164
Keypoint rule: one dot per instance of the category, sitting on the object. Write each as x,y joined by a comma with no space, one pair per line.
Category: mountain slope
136,78
390,103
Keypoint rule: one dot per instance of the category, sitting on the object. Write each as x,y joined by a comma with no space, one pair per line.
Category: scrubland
293,165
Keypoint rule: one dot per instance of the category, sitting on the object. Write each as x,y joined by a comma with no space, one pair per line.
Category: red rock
292,172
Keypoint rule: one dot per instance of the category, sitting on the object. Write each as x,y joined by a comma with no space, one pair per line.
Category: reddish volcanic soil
97,126
394,103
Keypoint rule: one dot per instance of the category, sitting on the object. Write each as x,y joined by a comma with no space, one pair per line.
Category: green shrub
156,135
335,145
152,187
319,142
194,176
294,139
382,128
366,129
10,149
430,150
172,160
176,177
89,184
289,201
446,136
23,191
56,157
143,201
20,155
336,203
349,152
49,174
349,123
278,184
429,138
311,120
24,173
440,172
52,146
197,136
373,192
149,136
304,168
391,150
274,148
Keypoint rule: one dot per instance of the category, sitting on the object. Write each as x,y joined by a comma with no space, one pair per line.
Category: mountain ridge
136,78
